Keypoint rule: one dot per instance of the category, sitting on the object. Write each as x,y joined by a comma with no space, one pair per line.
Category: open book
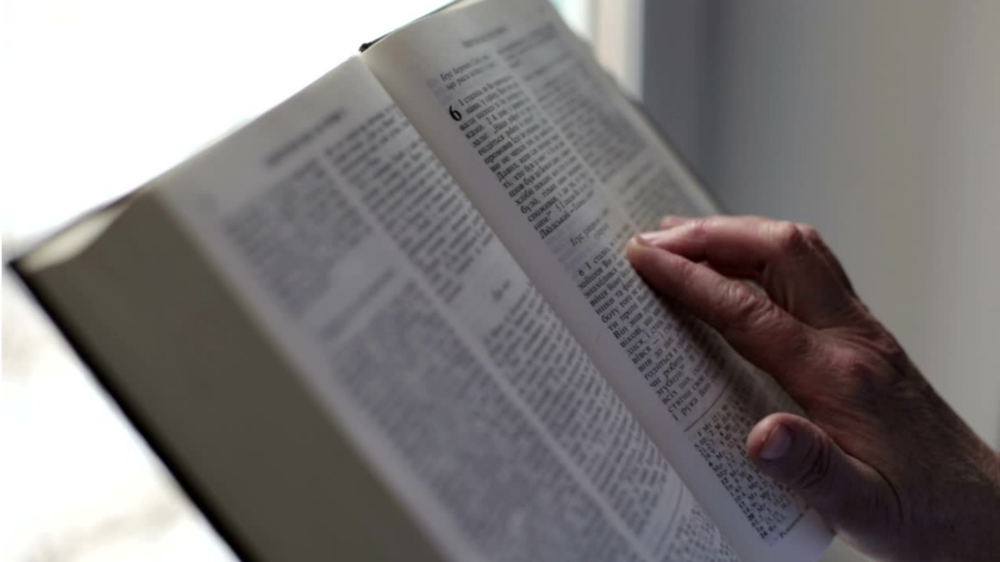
391,319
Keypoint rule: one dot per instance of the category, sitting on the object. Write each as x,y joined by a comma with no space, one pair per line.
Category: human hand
884,460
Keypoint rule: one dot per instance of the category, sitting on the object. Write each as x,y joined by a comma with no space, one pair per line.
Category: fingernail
642,240
653,238
670,221
635,247
776,444
638,249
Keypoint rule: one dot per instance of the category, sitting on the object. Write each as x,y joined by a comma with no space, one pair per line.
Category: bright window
97,97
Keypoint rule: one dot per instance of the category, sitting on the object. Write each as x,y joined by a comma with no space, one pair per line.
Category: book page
419,333
565,172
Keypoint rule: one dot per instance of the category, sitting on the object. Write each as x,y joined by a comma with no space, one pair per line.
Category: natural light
96,98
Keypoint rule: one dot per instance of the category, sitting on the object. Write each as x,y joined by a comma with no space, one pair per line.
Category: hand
881,457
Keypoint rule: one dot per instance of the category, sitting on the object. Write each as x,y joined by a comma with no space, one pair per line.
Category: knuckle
740,301
855,366
897,359
700,227
815,470
810,233
888,348
863,377
744,308
788,239
859,382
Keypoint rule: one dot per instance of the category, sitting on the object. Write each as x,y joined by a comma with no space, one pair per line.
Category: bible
392,318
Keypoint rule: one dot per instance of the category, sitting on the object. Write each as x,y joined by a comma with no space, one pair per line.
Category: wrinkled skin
884,460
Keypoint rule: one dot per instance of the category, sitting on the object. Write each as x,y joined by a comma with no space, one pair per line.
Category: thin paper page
420,334
564,176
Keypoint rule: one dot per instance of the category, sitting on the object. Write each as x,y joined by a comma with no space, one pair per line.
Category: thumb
800,455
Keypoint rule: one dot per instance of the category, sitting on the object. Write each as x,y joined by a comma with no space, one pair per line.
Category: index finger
755,326
785,256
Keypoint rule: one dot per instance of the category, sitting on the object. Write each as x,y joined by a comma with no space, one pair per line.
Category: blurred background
877,121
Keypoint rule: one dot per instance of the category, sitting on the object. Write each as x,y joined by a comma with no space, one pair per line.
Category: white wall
877,121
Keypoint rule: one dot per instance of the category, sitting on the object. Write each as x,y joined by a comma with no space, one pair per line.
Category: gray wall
877,121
